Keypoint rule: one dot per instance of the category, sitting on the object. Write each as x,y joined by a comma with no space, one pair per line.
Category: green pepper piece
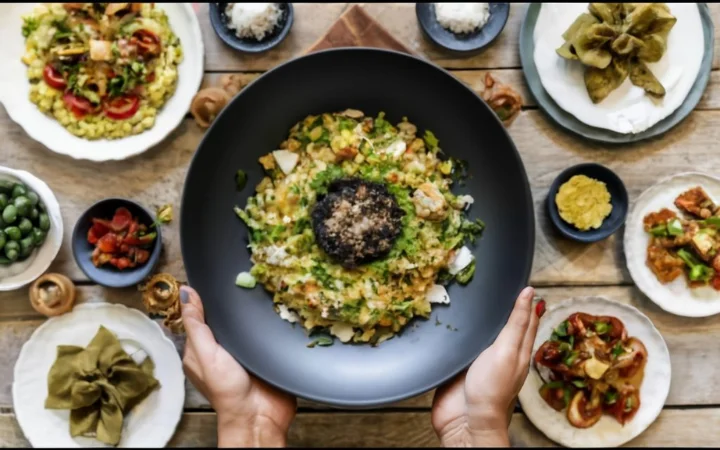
659,231
675,228
9,214
712,221
602,327
13,233
611,397
579,384
553,385
561,329
571,358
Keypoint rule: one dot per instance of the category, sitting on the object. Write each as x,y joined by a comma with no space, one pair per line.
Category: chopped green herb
30,24
602,327
431,141
617,350
464,276
323,179
322,341
579,384
611,397
240,180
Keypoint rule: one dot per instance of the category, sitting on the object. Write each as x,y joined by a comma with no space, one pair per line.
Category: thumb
193,315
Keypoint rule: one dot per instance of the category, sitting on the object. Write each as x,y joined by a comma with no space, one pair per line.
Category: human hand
250,413
474,409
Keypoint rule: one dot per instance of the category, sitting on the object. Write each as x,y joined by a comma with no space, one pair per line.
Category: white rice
253,19
462,17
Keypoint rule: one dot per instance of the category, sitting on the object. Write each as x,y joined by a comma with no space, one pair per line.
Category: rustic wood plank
692,343
157,177
673,428
475,79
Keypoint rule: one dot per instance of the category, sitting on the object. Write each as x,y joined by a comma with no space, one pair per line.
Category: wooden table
561,268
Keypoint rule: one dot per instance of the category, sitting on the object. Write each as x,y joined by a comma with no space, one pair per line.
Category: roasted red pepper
122,242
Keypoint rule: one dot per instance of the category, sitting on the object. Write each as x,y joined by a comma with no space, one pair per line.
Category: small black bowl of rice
251,27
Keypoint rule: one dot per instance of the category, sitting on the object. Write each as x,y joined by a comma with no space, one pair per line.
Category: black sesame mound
357,221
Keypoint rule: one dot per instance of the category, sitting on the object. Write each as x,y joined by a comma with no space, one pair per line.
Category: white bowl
15,88
19,274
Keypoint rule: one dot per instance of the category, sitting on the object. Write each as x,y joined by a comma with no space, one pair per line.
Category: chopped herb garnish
30,24
240,180
579,384
611,397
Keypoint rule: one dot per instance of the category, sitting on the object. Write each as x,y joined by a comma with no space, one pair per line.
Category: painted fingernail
540,307
184,296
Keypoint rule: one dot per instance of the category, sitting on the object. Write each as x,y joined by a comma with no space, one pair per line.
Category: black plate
214,241
82,250
618,200
462,44
219,21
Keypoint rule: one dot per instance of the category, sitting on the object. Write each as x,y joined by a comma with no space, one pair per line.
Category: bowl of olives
31,228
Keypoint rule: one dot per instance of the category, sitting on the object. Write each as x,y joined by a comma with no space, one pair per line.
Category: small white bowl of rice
252,27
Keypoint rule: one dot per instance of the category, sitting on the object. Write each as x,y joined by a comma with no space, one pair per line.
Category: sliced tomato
108,243
121,263
79,106
148,43
54,78
141,256
121,108
97,231
121,220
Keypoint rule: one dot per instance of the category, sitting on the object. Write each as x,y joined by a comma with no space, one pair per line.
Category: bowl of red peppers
117,243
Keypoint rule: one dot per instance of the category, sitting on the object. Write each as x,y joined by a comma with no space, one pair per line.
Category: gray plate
570,122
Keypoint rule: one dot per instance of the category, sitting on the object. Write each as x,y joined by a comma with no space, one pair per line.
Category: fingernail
184,296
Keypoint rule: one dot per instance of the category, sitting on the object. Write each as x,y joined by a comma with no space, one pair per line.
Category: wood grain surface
561,269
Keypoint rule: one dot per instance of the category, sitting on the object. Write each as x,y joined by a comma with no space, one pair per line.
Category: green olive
6,187
2,223
38,236
34,214
23,206
9,214
25,226
3,239
26,246
33,197
44,221
13,233
3,201
12,250
18,190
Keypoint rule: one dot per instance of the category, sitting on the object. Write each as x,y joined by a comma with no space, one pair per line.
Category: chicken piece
689,231
100,50
697,202
268,162
429,202
655,219
705,245
664,264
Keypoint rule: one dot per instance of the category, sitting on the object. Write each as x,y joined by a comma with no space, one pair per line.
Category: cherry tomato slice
540,308
79,106
108,243
121,108
53,78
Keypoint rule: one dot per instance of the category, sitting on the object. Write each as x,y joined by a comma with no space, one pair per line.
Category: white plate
151,424
627,109
676,297
653,391
15,88
21,273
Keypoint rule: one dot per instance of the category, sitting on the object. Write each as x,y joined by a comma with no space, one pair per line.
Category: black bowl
108,275
219,21
214,240
618,200
462,44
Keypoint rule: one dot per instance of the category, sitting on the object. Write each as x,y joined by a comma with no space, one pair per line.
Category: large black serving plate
214,241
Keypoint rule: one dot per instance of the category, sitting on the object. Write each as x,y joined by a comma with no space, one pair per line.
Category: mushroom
232,83
52,294
207,104
161,295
